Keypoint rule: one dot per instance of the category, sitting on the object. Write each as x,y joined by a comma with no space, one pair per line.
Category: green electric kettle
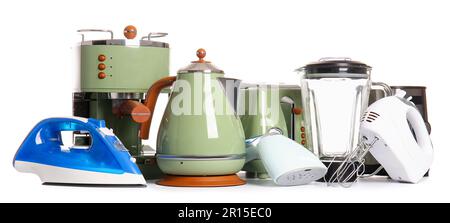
200,141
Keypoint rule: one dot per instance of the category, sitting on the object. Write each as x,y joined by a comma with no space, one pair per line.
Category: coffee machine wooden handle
150,102
138,112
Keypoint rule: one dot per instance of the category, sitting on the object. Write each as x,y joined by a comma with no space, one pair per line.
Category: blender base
201,181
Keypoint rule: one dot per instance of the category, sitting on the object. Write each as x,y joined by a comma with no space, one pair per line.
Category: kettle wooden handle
150,102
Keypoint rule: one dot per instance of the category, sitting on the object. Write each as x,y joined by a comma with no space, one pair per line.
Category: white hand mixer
395,133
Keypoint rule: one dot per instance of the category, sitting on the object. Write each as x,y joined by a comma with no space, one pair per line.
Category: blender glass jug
335,94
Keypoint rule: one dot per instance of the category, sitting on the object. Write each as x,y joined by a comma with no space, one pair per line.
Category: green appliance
264,108
200,140
115,74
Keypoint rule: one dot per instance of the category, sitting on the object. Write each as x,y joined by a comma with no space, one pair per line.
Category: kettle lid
336,65
200,65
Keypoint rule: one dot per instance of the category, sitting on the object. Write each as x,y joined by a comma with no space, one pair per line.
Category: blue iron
101,158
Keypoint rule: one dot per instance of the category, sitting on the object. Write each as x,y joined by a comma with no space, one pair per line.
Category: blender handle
387,90
150,102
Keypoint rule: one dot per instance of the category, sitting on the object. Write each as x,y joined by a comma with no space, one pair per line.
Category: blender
335,93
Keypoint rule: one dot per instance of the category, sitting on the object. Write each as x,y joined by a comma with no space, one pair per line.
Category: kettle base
201,181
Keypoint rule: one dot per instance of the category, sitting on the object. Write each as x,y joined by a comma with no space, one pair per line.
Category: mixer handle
95,30
150,102
154,35
420,130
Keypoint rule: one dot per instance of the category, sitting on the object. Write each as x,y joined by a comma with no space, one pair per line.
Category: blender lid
200,65
336,65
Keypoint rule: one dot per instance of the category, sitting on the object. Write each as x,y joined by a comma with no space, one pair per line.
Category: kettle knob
201,53
130,32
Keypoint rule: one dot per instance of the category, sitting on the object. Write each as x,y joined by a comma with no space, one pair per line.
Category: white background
406,42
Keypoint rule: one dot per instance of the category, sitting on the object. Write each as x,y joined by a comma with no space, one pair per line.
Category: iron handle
95,30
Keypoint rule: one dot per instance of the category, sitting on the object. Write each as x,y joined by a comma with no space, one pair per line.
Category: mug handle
387,90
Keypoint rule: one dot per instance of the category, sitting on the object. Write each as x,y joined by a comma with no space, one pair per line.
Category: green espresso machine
267,108
115,75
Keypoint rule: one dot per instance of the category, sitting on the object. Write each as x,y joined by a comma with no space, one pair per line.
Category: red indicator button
101,58
101,66
101,75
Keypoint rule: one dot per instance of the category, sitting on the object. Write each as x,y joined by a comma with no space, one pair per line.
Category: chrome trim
122,42
289,86
81,31
196,71
387,90
287,100
280,86
201,158
200,67
154,35
335,58
107,95
114,95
